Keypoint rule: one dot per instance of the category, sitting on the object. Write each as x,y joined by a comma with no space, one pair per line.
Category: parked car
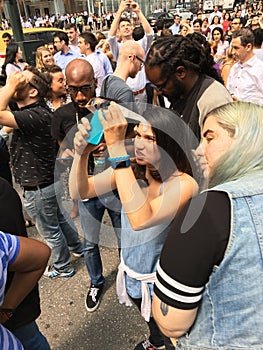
182,12
165,19
42,33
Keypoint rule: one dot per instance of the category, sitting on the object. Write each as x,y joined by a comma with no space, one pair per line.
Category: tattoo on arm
164,308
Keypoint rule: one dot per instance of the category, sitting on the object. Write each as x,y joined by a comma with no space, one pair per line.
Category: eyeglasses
162,86
57,41
83,89
141,60
235,23
32,85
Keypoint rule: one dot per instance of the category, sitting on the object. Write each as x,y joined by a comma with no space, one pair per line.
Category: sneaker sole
78,255
60,275
93,308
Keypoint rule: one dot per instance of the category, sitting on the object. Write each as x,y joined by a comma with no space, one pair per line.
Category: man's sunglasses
83,89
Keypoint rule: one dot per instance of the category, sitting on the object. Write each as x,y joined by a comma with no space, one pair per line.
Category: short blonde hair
244,122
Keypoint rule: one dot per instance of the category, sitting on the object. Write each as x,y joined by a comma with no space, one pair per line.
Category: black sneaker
93,297
147,345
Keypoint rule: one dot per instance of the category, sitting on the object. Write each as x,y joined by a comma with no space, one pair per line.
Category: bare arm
28,267
143,209
172,322
145,24
115,22
81,184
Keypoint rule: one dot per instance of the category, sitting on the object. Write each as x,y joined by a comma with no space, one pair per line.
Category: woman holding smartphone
153,188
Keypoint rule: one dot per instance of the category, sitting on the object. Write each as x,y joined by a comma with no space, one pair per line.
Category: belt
139,91
38,187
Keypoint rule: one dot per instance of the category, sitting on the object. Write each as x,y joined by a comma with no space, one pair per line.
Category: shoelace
147,345
93,293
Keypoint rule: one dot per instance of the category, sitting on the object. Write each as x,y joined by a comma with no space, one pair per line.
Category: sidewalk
64,319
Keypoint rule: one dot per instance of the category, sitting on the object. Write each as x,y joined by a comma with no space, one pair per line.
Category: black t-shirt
32,148
195,244
64,126
12,221
65,118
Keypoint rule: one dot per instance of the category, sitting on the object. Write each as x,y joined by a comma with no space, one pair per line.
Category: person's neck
248,57
56,101
88,52
65,50
26,102
74,42
120,73
190,83
126,38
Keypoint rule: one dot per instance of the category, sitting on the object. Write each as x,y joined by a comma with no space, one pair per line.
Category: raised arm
81,184
141,209
14,82
115,23
145,24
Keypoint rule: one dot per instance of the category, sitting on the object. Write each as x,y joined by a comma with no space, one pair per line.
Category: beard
177,91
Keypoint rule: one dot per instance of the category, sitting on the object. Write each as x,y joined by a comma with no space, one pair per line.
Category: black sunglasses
83,89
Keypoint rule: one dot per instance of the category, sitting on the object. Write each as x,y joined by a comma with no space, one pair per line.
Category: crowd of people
176,162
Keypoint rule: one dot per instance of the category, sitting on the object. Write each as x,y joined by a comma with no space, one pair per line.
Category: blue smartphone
96,131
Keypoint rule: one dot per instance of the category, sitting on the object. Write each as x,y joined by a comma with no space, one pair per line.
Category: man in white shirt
124,27
245,80
87,45
73,37
215,13
175,28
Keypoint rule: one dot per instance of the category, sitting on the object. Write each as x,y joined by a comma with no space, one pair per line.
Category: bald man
131,60
81,86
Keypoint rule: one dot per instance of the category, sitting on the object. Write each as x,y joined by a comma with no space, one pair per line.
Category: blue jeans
91,213
55,227
31,337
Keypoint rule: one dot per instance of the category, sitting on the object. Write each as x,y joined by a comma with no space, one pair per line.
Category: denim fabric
31,337
56,228
91,213
140,251
231,313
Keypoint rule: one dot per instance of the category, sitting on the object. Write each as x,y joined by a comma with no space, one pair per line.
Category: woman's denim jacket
231,313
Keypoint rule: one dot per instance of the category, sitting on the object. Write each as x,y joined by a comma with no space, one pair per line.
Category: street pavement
64,319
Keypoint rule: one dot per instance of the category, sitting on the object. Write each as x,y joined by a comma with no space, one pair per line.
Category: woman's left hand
114,125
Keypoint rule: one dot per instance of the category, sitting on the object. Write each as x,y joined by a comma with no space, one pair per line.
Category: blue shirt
62,59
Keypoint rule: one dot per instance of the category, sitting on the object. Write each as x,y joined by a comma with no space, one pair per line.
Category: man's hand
16,80
124,5
135,7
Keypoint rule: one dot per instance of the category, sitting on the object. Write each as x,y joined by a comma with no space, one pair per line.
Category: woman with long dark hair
153,188
13,60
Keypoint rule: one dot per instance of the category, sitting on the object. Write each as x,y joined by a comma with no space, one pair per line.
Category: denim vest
140,251
230,316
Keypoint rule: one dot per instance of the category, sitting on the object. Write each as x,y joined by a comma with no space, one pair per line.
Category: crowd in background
191,68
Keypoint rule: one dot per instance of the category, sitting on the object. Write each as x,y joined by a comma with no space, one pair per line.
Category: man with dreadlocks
178,67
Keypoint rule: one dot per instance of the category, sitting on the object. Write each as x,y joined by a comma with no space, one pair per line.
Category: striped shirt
9,249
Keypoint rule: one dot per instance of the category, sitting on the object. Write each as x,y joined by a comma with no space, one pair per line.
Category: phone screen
96,131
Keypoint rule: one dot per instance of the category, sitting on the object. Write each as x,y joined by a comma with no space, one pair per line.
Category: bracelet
120,162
